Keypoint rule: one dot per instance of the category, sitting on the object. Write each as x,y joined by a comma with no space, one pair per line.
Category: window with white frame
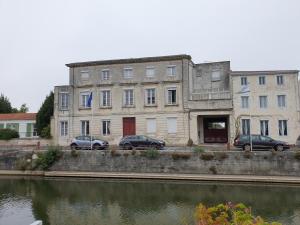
63,128
281,101
245,102
263,102
105,98
151,125
172,125
105,74
246,126
171,70
282,128
84,99
150,71
106,127
171,96
150,96
264,127
262,80
128,98
216,75
85,127
244,81
84,75
280,80
63,100
127,73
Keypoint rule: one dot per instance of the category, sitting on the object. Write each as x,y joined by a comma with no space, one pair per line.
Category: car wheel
127,147
247,147
279,148
97,146
74,147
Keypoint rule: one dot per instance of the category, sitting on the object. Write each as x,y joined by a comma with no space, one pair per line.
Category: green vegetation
7,134
47,159
207,156
297,155
115,153
150,153
198,149
228,214
5,106
74,153
180,155
43,116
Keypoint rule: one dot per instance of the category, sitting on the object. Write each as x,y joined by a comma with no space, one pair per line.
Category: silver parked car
85,142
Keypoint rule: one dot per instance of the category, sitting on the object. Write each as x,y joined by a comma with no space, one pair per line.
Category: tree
23,108
44,114
5,105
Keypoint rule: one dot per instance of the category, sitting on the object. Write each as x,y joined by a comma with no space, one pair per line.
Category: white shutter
151,125
172,125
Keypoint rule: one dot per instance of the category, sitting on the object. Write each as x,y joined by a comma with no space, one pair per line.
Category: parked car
85,142
298,141
140,141
259,142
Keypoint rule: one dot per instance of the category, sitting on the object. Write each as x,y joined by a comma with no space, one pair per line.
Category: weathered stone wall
233,163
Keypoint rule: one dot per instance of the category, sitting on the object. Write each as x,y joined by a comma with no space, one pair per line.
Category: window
63,100
63,128
246,126
244,81
106,127
172,125
264,127
85,127
216,125
84,99
263,101
282,125
127,73
35,130
262,80
245,102
150,96
128,98
105,98
84,75
105,75
150,72
281,101
151,125
280,80
171,70
216,75
1,125
171,96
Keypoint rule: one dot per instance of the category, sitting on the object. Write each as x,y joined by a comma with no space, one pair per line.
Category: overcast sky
37,38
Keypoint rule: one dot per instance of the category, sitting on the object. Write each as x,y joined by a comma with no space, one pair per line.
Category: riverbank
157,176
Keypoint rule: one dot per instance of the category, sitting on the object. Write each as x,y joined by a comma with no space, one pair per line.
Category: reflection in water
117,202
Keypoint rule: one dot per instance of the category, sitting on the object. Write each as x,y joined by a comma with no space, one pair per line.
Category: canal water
140,202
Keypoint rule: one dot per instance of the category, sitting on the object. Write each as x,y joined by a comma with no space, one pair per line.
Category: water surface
124,202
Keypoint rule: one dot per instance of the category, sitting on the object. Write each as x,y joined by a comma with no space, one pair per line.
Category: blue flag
89,103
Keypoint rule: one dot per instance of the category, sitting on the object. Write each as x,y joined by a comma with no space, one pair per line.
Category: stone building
170,98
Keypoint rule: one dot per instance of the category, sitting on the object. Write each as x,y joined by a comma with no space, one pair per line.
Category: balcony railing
211,94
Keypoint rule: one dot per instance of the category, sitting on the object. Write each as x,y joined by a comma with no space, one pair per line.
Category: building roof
263,72
130,60
17,116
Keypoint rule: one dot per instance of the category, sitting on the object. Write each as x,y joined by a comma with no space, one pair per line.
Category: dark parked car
85,142
140,141
259,142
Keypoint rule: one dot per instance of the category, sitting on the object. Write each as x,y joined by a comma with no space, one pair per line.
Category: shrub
115,153
177,156
74,153
207,156
152,153
46,133
297,155
133,152
248,154
190,143
23,164
226,214
198,149
46,160
7,134
213,169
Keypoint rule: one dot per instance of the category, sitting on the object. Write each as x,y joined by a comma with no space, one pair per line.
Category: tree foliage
44,114
5,105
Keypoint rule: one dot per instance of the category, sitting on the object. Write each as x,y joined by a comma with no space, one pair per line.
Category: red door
128,126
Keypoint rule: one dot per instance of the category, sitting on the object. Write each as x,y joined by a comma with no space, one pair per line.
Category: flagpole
250,122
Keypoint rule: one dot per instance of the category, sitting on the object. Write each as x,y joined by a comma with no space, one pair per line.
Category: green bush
7,134
46,132
115,153
297,155
198,149
151,153
74,153
46,160
178,155
207,156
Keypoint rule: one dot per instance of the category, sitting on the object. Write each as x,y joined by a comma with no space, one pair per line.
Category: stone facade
169,98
